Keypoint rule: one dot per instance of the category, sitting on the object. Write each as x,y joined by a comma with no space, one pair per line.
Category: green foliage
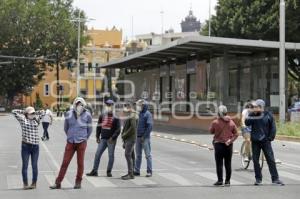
288,129
34,28
38,102
254,19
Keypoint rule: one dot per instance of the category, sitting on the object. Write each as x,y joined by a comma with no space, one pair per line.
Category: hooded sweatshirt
78,128
145,123
224,129
263,126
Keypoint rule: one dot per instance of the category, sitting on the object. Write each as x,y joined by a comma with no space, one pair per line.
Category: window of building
81,68
46,90
233,83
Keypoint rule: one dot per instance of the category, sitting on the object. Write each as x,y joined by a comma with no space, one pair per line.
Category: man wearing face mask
263,132
143,142
129,138
107,132
78,128
29,121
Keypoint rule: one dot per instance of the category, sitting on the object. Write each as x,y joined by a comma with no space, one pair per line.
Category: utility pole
57,85
79,20
109,78
78,54
209,22
282,71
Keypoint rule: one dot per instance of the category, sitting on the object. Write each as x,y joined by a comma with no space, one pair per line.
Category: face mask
108,109
125,110
31,116
139,108
79,109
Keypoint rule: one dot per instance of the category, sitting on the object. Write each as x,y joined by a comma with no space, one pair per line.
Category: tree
35,28
257,19
38,102
254,19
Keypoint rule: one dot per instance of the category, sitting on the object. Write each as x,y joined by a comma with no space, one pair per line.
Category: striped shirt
107,122
29,127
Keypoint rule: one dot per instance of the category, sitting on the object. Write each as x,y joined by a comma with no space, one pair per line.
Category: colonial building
190,23
103,46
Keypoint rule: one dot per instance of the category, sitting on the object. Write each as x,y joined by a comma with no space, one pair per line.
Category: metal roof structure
200,46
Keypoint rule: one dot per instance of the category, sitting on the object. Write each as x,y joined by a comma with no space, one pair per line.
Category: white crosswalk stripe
143,182
212,176
176,178
289,175
161,179
51,180
14,181
100,182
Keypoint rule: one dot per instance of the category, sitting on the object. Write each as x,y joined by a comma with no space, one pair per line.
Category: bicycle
246,158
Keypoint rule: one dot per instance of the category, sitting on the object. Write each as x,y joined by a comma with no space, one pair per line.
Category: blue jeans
30,150
111,154
140,146
266,147
45,127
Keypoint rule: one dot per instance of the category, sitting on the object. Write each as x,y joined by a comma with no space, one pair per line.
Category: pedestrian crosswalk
159,179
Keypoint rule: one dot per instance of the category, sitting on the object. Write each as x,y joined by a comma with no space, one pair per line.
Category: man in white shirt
46,121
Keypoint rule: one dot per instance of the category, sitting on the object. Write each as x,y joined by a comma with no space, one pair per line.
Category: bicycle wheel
245,159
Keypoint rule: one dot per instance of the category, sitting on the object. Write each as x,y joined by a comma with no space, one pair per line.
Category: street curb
288,138
192,142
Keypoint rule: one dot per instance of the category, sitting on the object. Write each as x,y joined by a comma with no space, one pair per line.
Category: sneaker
257,183
149,175
108,174
227,183
56,186
77,186
33,186
92,173
278,182
136,174
26,187
218,183
246,159
127,177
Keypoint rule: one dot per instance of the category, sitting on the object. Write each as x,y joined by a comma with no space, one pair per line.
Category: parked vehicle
2,109
295,107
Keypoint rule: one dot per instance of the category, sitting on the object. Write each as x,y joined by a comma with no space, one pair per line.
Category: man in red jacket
225,133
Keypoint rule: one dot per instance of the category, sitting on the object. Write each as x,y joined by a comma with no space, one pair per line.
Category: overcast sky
146,14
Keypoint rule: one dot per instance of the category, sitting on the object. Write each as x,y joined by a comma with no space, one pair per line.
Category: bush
288,129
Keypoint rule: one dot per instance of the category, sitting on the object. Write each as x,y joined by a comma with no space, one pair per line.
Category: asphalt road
181,170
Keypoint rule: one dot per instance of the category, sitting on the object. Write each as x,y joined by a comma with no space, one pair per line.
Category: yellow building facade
46,89
104,45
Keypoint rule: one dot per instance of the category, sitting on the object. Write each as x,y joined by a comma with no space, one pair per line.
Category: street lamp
209,21
79,20
282,71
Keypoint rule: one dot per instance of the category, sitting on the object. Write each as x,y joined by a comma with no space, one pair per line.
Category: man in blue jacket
78,128
143,142
262,134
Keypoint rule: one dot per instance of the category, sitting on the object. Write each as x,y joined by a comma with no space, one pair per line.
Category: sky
143,15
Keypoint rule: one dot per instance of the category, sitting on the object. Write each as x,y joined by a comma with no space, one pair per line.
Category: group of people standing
258,129
78,128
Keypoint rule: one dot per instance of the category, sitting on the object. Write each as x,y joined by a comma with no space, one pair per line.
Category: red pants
69,153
